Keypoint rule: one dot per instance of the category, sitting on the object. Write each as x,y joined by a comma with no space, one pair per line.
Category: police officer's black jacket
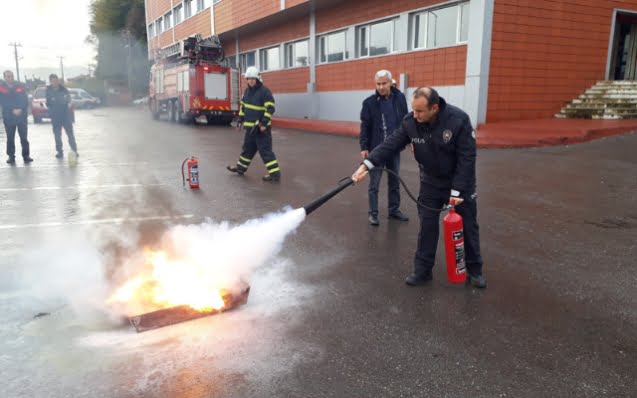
257,106
445,149
58,102
372,132
14,97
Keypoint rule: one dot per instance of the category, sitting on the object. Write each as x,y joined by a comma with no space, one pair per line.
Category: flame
170,283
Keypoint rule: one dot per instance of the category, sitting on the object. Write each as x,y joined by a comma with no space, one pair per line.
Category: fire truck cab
191,79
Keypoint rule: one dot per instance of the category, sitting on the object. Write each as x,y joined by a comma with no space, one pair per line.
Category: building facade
497,59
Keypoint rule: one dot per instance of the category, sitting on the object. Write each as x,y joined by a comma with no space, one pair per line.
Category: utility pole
17,64
62,68
129,61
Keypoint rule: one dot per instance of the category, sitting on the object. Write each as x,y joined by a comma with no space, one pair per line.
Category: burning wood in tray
183,313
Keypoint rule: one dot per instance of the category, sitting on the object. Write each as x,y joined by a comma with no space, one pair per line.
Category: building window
375,39
159,24
167,20
187,9
464,22
232,61
441,27
331,47
178,14
297,54
246,60
270,58
151,30
202,5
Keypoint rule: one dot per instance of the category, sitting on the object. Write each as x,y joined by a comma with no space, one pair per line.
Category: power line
17,63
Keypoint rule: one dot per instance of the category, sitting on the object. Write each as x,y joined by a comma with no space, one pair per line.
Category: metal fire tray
183,313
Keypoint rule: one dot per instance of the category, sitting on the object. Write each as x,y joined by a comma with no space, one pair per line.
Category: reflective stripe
274,170
249,124
241,113
242,166
267,115
268,103
245,159
272,163
254,107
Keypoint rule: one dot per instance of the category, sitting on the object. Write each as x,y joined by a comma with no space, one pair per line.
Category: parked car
82,99
39,109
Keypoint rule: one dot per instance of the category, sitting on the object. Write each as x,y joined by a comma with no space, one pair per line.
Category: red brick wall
354,11
441,67
275,34
200,23
287,81
292,3
157,8
231,14
545,53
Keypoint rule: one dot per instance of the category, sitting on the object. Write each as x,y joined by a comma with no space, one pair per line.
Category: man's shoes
271,177
373,220
28,159
399,216
418,280
477,281
11,160
235,169
59,155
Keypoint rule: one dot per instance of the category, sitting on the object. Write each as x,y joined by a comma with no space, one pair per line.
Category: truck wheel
171,111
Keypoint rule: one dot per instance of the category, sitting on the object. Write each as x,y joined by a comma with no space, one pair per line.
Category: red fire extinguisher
454,247
193,172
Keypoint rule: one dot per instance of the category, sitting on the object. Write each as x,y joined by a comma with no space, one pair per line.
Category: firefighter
15,105
444,145
58,100
255,117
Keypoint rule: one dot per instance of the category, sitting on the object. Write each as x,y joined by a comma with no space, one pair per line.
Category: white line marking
65,165
93,222
80,187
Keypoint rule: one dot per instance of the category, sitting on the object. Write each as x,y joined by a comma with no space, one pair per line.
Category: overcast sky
46,29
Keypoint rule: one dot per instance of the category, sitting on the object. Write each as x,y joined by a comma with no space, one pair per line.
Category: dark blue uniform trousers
429,229
393,186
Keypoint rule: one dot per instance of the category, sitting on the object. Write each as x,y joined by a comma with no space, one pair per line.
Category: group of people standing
439,135
14,101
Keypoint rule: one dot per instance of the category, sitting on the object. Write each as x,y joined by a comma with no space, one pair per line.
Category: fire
170,283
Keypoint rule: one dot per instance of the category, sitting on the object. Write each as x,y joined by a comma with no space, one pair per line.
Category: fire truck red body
191,79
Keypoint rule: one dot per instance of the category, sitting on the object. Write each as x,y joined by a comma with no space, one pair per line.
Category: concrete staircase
605,100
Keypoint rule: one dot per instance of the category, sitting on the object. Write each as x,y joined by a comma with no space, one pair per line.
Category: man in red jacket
15,104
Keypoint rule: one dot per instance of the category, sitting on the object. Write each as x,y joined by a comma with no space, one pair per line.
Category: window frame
425,14
168,20
324,37
368,37
243,59
264,65
187,9
178,10
159,27
292,45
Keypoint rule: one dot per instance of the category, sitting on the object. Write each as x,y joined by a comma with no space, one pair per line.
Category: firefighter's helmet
252,73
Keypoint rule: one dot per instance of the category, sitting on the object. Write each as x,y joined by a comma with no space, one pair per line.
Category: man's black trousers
254,141
22,132
429,229
65,122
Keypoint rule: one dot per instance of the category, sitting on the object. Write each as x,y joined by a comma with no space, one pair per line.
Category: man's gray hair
383,73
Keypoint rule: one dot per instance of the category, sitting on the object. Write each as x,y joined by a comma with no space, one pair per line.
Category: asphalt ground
329,315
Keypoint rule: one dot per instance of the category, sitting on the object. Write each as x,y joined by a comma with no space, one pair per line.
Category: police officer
444,146
381,114
15,105
255,116
58,100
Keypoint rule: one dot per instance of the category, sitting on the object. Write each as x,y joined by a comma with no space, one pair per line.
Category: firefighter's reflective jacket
257,106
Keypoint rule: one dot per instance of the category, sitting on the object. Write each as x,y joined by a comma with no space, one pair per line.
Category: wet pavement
330,315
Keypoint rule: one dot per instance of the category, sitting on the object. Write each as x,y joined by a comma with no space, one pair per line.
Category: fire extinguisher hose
183,176
411,196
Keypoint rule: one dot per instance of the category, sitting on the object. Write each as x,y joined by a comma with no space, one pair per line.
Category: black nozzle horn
344,183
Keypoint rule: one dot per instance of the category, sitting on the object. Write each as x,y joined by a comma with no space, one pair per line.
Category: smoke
73,269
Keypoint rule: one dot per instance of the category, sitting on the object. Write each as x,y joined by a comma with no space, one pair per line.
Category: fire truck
191,79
